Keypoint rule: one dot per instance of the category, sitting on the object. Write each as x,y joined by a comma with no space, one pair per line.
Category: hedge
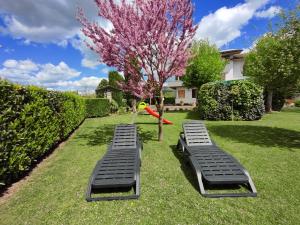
32,122
297,103
97,107
169,100
240,99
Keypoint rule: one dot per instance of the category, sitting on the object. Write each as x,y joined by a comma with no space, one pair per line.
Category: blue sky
40,41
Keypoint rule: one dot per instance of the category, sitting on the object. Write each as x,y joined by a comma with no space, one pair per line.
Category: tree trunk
269,101
133,103
160,120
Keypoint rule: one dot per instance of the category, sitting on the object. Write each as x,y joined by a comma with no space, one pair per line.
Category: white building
233,71
184,95
234,68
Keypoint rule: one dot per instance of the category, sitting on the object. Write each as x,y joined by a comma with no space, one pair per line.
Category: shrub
97,107
241,99
169,100
113,106
122,110
32,121
297,103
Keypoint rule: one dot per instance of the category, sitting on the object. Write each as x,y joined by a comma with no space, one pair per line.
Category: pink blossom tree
155,34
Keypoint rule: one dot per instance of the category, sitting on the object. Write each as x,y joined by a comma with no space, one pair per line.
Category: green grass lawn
269,149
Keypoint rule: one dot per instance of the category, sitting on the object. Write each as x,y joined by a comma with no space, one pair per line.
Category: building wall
234,70
188,99
228,71
238,65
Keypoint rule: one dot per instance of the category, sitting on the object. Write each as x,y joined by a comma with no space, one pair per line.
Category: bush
169,100
122,110
32,122
114,106
297,103
97,107
217,99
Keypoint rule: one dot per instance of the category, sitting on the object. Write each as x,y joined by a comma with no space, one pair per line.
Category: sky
41,43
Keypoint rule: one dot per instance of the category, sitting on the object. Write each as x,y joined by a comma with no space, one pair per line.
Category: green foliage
205,66
274,62
169,100
32,121
100,93
297,103
113,106
97,107
216,101
267,148
122,110
113,78
263,64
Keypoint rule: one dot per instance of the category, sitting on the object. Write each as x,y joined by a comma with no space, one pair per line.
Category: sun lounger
119,168
212,165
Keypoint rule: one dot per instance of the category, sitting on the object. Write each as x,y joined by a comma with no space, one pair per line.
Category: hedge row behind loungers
241,99
32,121
97,107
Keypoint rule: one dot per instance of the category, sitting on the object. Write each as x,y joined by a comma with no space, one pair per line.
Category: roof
230,53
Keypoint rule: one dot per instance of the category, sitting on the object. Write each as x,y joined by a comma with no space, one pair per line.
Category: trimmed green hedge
169,100
33,121
97,107
297,103
217,99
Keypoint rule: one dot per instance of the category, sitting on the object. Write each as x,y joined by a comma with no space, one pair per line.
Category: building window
194,93
181,93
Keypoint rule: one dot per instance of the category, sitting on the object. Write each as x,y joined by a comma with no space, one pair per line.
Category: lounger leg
182,144
137,183
200,182
89,190
140,156
251,184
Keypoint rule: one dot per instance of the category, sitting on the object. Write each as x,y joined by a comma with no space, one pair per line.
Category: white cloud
41,34
9,50
90,58
50,72
25,65
84,82
84,85
58,77
269,13
225,24
18,71
51,22
105,70
44,22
